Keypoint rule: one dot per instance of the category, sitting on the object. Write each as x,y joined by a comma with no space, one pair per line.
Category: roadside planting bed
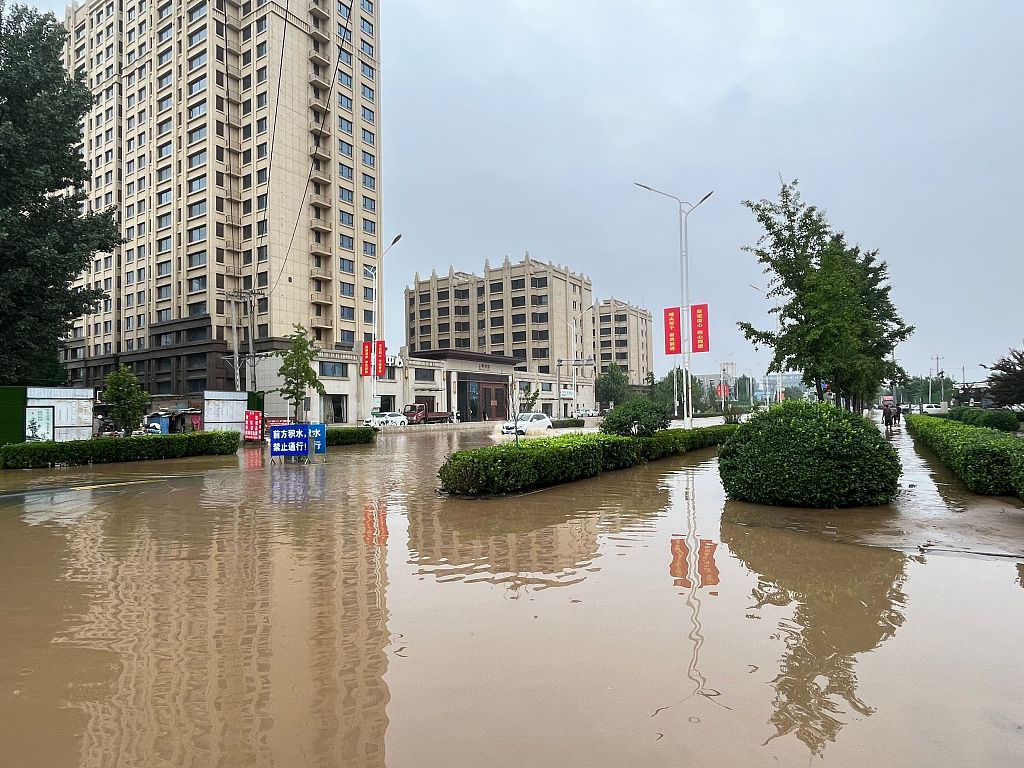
988,461
106,450
538,463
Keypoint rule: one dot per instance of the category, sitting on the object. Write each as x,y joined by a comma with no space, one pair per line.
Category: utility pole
234,344
942,384
237,363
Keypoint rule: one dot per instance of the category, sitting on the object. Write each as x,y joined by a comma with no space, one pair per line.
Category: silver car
387,419
527,422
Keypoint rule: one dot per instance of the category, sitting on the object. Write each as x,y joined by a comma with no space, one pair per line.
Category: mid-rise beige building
541,314
533,311
240,144
621,334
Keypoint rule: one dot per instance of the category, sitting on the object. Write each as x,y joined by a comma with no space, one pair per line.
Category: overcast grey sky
515,125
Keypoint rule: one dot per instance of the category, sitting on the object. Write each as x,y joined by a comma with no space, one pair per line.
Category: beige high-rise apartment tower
240,143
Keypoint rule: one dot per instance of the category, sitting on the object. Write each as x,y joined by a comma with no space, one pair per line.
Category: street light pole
685,209
376,321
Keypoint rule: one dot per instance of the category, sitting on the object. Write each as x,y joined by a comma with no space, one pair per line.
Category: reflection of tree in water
848,602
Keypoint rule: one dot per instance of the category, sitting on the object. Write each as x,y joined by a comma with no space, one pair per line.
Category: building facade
535,312
240,143
621,333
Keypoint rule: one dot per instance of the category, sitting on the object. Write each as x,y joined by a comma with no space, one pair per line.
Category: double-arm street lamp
375,269
576,361
685,209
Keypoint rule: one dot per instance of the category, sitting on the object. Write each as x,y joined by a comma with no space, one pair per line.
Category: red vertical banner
699,328
673,336
366,361
382,358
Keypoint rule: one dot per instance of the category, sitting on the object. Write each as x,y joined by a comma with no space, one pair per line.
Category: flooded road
224,612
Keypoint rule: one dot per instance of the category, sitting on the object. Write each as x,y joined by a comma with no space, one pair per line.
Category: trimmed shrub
107,450
803,454
988,461
1017,473
640,412
993,418
538,463
567,423
350,435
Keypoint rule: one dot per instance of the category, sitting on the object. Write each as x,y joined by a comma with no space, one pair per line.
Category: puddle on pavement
228,612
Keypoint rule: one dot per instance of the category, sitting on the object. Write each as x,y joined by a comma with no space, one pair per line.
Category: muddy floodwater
225,612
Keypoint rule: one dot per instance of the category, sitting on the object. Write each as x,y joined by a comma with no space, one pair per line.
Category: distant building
621,334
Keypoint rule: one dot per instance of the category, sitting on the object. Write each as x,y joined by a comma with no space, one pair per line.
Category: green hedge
350,435
105,450
568,423
988,461
538,463
802,454
992,418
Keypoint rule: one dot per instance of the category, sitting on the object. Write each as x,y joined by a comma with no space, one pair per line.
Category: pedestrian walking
896,415
887,418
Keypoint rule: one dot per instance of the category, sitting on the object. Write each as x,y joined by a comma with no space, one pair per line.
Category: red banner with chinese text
382,358
253,426
699,328
673,332
366,360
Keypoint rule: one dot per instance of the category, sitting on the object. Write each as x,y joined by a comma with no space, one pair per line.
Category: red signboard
366,361
722,390
382,358
673,333
699,328
253,425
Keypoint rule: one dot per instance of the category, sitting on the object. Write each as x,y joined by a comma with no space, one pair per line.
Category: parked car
527,422
930,409
590,413
388,419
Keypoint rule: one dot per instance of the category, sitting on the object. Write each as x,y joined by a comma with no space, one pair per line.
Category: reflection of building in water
242,635
539,541
847,602
500,551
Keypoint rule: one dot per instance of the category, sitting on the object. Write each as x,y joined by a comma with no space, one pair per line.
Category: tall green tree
45,239
612,386
127,400
297,371
1006,380
837,322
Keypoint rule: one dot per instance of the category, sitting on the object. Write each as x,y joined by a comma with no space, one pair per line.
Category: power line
345,38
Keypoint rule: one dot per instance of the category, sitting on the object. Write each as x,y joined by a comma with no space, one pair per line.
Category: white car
589,413
387,419
932,409
527,422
